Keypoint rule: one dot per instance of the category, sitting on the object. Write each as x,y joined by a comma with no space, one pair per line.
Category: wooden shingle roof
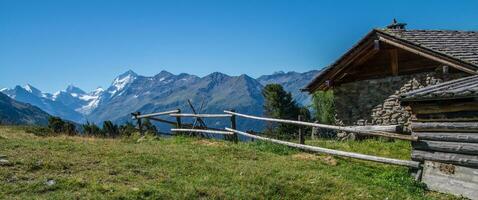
462,45
466,87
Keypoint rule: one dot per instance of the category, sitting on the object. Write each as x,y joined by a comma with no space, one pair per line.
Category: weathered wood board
452,147
450,137
453,179
451,158
445,126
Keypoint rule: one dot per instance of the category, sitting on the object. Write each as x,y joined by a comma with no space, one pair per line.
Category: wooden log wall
447,145
447,142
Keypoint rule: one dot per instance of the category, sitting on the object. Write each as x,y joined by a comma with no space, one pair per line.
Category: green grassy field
64,167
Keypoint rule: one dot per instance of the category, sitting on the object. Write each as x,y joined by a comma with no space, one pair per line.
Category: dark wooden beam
394,61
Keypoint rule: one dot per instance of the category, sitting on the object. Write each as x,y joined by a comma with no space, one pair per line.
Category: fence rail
155,114
202,131
199,115
392,161
332,127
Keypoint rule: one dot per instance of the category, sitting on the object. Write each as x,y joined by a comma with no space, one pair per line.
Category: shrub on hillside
38,130
127,129
58,126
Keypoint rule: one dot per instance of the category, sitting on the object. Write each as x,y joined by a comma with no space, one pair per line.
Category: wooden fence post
252,133
301,134
140,125
178,121
233,126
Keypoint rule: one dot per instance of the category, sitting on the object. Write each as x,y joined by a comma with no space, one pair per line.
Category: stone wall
376,101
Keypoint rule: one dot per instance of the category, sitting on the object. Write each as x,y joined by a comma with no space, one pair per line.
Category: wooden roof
466,87
457,49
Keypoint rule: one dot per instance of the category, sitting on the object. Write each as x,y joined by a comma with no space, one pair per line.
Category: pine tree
279,104
110,129
69,128
91,129
127,129
56,124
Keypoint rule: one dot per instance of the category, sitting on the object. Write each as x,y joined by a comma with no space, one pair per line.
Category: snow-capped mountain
77,99
130,92
121,82
45,101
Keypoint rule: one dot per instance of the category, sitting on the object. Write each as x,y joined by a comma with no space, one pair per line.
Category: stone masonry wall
376,101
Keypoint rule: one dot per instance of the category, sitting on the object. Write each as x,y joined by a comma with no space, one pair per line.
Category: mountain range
130,92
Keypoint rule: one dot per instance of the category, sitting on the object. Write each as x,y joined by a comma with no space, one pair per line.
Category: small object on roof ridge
396,25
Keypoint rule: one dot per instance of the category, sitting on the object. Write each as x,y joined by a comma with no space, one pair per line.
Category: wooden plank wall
447,145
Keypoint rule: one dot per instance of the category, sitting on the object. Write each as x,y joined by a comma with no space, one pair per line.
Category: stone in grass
4,162
50,182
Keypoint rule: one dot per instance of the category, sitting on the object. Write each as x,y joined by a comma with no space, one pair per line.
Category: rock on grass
4,162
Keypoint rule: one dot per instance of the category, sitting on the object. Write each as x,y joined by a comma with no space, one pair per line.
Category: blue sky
51,44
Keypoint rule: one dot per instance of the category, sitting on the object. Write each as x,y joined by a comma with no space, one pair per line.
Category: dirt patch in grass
209,143
305,156
329,160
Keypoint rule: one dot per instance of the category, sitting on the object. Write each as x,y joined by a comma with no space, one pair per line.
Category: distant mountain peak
162,75
216,75
128,73
71,89
164,72
122,81
245,76
98,89
31,89
278,72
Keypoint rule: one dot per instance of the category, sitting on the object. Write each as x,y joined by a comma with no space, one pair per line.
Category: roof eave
319,79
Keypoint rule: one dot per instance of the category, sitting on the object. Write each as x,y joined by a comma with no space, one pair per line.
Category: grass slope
189,168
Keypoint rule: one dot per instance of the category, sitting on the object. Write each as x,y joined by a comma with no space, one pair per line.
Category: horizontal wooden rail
201,131
352,129
392,161
175,123
155,114
200,115
162,120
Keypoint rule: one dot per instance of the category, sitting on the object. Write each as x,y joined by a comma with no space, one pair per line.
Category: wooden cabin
445,120
369,78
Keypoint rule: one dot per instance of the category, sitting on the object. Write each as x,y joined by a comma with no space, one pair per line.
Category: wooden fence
383,131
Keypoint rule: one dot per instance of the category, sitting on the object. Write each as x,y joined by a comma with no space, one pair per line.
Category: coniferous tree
279,104
69,128
110,129
91,129
56,124
127,129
